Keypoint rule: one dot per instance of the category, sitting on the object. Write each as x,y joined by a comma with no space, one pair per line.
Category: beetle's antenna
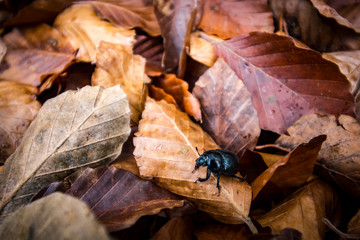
197,150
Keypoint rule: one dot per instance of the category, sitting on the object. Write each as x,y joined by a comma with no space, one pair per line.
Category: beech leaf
18,108
228,18
229,115
286,82
73,130
115,64
85,30
338,158
304,211
202,48
165,149
57,216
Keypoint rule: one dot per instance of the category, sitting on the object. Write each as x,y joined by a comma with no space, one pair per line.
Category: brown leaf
129,14
57,216
285,81
18,108
151,49
35,53
228,18
159,94
176,19
316,24
85,30
229,115
165,149
353,226
178,228
202,48
71,131
304,211
350,12
115,64
349,64
339,157
291,171
178,88
3,50
222,231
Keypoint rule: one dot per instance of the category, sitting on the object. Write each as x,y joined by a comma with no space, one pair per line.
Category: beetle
218,162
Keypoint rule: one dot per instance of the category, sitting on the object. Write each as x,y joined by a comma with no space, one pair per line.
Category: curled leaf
165,149
71,131
202,48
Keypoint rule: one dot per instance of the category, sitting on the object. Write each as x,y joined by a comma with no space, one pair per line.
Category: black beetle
218,162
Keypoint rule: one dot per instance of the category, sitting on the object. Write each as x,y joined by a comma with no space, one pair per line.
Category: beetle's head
201,161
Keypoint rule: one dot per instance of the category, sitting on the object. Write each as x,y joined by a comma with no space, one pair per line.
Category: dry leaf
286,82
202,48
3,50
115,64
129,14
339,154
349,64
178,228
34,53
291,171
178,88
57,216
350,12
74,130
229,115
221,232
18,108
165,149
304,211
353,226
176,19
229,18
159,94
85,30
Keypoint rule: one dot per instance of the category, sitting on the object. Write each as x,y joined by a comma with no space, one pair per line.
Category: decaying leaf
304,211
34,53
165,149
286,82
339,155
178,228
176,19
202,48
178,88
349,64
115,64
129,14
74,130
18,107
85,30
57,216
229,115
229,18
293,170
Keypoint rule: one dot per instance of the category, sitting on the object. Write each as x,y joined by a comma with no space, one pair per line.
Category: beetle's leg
207,176
241,178
218,183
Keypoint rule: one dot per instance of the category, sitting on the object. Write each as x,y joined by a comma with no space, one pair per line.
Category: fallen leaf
71,131
229,115
229,18
115,64
222,231
57,216
151,48
316,24
291,171
286,82
176,19
179,228
117,197
165,149
159,94
178,88
202,48
350,12
85,30
349,64
3,50
353,226
35,53
18,108
339,156
304,211
129,14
